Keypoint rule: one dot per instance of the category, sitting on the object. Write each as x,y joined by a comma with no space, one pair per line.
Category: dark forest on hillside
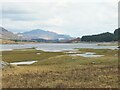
104,37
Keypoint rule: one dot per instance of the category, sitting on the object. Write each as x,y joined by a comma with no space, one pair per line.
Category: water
90,53
38,53
87,54
54,47
23,63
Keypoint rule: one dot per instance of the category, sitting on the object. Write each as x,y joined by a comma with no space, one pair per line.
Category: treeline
117,34
104,37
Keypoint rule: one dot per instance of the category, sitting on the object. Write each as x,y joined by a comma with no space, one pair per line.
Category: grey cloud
78,18
18,17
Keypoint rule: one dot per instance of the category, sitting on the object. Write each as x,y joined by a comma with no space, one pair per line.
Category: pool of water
87,54
23,63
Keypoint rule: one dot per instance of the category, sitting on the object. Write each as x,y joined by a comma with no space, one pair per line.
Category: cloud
67,17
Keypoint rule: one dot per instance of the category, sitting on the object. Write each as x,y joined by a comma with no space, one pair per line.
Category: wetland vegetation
60,70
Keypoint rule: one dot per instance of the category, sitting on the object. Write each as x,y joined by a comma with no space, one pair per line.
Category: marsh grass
60,70
27,55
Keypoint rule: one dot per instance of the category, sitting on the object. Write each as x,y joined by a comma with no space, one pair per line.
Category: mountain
5,34
42,34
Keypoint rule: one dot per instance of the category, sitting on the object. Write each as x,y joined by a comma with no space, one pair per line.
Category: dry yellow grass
81,76
59,70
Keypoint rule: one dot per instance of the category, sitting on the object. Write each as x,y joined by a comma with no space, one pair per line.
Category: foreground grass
60,70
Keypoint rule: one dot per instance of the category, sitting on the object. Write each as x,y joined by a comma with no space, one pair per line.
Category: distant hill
37,35
5,34
75,40
42,34
103,37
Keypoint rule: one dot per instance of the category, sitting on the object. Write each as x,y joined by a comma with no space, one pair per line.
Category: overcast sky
72,17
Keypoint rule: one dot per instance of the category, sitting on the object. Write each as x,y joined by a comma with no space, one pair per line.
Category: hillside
5,34
75,40
117,34
103,37
42,34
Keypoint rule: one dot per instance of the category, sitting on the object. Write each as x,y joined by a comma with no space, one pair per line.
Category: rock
3,64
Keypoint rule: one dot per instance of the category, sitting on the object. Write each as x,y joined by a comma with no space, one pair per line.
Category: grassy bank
107,44
60,70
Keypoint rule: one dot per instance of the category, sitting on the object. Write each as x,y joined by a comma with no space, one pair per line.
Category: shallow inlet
87,54
23,63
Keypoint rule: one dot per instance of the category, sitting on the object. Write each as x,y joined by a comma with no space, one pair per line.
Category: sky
71,17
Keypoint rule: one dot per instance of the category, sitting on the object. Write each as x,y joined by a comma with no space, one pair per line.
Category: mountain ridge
33,34
43,34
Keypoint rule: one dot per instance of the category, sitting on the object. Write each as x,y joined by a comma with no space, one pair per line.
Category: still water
23,63
54,46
